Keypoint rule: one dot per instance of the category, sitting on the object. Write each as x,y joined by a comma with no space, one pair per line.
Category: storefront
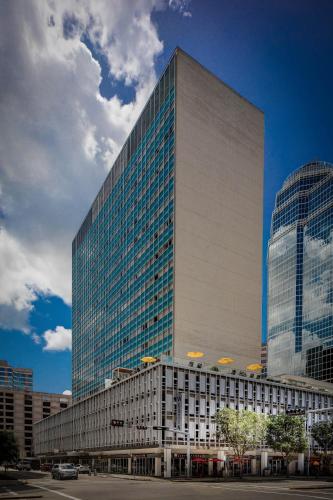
143,465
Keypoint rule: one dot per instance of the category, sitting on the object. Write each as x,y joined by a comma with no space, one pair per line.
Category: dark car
64,471
46,467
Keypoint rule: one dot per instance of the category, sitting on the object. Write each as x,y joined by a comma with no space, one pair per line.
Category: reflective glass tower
168,258
300,275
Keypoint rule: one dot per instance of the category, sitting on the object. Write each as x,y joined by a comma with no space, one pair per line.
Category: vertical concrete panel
218,218
158,461
263,461
167,462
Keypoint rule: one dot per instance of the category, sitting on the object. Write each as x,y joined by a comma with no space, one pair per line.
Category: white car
64,471
83,469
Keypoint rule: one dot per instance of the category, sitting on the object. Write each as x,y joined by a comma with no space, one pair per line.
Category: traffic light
117,423
160,428
141,427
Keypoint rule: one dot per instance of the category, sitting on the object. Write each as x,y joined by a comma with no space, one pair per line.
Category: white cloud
181,6
58,135
67,392
59,339
36,338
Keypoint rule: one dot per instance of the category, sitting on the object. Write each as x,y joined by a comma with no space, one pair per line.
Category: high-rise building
300,275
15,378
168,259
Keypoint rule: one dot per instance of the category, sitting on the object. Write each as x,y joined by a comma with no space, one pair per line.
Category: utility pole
188,449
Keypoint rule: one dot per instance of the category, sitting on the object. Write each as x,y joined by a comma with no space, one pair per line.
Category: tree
9,451
286,434
322,433
242,430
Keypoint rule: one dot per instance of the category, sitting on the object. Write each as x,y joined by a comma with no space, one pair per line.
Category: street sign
295,411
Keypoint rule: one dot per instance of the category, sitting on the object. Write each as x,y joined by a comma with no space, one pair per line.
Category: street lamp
188,449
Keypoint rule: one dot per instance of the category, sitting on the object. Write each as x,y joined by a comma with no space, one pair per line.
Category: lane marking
57,492
11,492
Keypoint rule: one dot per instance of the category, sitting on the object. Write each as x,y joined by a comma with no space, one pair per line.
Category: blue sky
278,54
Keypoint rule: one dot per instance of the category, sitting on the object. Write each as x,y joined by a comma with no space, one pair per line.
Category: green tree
242,430
9,451
322,433
286,434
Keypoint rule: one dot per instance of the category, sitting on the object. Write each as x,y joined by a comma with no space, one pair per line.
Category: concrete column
109,465
129,465
167,462
220,456
292,467
210,468
158,463
263,461
253,466
300,463
92,463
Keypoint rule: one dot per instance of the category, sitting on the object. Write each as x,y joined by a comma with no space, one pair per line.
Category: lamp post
308,433
188,449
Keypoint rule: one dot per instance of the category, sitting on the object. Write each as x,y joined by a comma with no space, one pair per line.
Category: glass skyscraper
144,285
300,275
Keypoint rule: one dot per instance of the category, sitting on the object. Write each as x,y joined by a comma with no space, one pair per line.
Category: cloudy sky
74,76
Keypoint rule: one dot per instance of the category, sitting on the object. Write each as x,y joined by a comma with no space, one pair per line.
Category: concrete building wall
218,218
19,410
151,398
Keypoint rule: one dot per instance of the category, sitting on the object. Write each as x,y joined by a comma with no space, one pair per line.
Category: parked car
46,467
83,469
64,471
23,466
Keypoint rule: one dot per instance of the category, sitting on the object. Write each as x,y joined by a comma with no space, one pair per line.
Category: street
107,487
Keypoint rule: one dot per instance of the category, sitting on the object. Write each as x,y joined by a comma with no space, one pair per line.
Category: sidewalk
258,479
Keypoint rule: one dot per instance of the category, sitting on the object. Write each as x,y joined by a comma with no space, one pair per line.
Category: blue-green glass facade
123,253
300,275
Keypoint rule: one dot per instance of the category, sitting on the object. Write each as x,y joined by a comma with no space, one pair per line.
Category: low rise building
15,378
140,424
20,409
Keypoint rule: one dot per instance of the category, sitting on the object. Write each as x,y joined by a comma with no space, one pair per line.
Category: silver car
64,471
83,469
